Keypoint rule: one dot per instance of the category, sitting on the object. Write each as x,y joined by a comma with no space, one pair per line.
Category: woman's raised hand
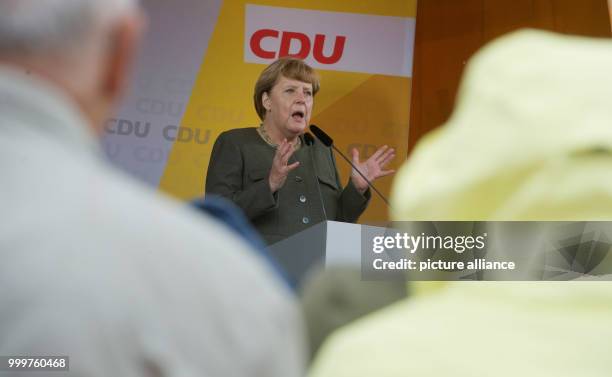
280,169
372,168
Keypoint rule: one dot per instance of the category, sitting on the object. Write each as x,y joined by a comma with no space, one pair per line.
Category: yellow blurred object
530,139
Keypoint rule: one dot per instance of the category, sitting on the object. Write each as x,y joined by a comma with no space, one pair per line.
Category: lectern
330,243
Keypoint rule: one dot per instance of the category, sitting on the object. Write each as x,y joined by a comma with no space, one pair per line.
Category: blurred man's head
82,46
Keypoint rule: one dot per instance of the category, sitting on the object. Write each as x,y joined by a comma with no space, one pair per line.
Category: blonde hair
290,68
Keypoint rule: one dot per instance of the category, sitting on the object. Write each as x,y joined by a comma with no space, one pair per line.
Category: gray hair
30,27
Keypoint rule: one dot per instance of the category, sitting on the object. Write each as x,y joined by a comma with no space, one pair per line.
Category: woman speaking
283,181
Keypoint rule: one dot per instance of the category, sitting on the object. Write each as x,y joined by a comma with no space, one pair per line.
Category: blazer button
298,178
305,220
302,199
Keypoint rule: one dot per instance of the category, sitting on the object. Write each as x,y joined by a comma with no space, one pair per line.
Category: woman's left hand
372,168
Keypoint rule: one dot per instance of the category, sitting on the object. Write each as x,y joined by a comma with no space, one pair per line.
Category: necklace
264,135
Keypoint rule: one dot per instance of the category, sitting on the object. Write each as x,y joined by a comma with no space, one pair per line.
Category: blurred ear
123,46
265,100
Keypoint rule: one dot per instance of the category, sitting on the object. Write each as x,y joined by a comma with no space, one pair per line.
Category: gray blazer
238,170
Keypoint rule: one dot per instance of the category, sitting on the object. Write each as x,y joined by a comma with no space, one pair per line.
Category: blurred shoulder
239,135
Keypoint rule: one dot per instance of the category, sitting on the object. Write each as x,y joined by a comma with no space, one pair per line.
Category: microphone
329,142
309,140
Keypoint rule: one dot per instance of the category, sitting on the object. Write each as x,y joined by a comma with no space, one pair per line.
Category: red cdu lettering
256,43
289,39
319,43
285,46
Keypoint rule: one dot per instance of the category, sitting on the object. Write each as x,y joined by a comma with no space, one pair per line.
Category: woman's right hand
280,169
